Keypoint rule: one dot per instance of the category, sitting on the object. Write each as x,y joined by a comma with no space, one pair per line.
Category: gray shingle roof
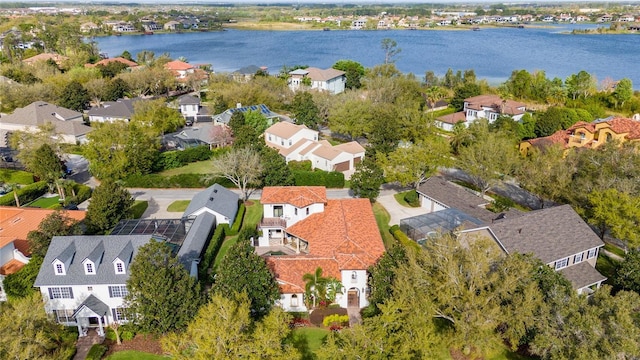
549,234
582,274
215,198
188,100
97,253
263,109
66,121
455,196
122,109
197,237
95,305
84,246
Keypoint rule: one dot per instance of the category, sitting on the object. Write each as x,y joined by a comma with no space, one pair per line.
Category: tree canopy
57,223
109,204
162,296
242,166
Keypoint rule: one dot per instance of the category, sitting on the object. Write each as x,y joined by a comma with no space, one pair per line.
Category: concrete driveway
396,210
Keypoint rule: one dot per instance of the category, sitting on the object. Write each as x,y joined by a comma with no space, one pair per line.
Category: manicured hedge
176,181
26,194
175,159
319,178
238,221
212,250
411,197
83,192
404,239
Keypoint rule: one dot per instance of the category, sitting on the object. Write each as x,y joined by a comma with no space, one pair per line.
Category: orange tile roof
104,62
343,237
178,65
10,267
618,125
298,196
15,223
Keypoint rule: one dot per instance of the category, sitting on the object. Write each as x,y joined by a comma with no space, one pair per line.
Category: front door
353,298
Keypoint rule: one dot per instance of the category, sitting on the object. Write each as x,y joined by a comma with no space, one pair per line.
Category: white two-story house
299,143
488,107
83,279
303,230
330,80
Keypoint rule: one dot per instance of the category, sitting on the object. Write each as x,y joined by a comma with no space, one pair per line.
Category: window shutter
113,313
71,292
50,293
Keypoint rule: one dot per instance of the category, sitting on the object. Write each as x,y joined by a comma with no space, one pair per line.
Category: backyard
252,217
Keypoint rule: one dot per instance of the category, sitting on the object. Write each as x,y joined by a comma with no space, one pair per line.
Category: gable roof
455,196
44,57
262,108
549,234
122,108
317,74
453,118
285,129
66,121
193,244
94,304
77,248
248,70
298,196
217,199
495,103
188,100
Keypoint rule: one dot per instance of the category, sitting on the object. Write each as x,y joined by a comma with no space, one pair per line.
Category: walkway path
354,316
84,344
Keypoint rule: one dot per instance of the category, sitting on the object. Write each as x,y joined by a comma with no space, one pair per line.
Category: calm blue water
492,53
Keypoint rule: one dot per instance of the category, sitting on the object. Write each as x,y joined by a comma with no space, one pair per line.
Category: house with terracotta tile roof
15,224
183,70
69,124
588,135
331,80
57,58
488,107
299,143
104,62
303,230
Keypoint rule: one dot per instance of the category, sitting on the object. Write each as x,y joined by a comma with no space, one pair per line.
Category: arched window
609,137
354,276
294,300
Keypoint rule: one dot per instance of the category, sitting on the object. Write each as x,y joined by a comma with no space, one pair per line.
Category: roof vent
519,231
211,198
215,191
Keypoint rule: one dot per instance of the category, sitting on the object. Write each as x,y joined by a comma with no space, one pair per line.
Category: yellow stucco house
590,135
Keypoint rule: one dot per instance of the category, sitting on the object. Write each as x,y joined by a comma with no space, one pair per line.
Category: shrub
238,221
96,352
127,335
298,322
110,334
336,319
299,165
404,239
26,194
394,228
319,178
212,249
412,198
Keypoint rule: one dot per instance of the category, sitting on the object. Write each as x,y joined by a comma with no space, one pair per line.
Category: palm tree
315,287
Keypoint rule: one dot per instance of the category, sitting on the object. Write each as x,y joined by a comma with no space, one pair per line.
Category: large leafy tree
367,180
109,204
617,213
462,92
487,159
627,275
353,71
162,296
581,84
383,276
157,115
74,96
413,164
224,329
305,110
545,174
623,92
26,332
243,167
20,284
243,271
57,223
116,150
275,171
45,164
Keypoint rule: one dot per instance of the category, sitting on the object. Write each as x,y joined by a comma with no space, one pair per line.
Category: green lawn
606,266
309,339
383,218
138,208
134,355
16,177
199,167
614,249
252,217
45,203
178,206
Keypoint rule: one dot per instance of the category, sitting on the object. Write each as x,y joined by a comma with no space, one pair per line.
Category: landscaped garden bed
317,316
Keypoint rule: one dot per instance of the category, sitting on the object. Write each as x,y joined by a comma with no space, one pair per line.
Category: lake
492,52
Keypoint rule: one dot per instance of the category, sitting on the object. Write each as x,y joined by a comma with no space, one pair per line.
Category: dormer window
119,267
59,268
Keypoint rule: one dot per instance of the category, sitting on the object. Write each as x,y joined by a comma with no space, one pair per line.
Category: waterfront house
331,80
104,62
58,59
488,107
